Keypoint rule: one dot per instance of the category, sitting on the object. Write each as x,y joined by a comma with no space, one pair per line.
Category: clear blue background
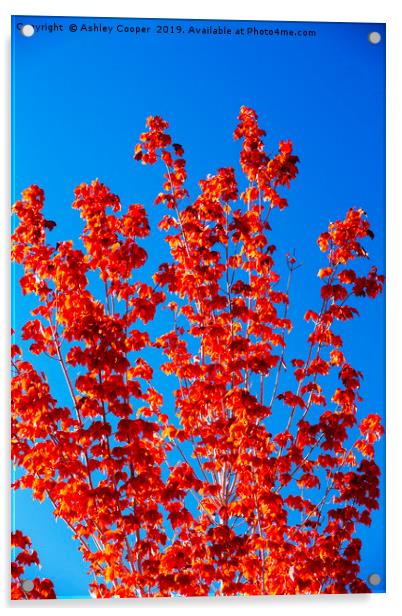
80,101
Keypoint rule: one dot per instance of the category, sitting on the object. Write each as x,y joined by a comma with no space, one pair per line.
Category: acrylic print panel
198,308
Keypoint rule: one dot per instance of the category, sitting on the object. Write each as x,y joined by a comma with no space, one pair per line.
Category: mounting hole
27,585
374,37
27,30
374,579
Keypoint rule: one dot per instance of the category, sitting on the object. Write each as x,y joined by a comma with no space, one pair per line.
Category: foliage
26,557
255,482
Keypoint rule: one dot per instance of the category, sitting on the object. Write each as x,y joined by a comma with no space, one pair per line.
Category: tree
246,486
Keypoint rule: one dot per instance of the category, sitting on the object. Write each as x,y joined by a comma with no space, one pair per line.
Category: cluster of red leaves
201,500
25,557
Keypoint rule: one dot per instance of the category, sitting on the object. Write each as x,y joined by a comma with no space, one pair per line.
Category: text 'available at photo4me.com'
177,28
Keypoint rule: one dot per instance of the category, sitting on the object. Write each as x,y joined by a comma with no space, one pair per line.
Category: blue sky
80,100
